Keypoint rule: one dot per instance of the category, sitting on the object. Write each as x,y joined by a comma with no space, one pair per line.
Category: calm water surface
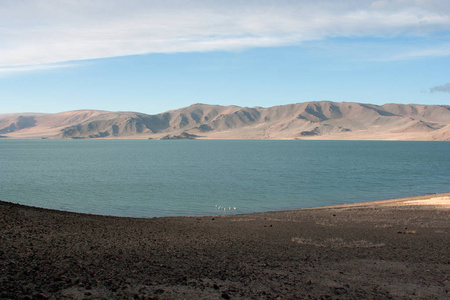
147,178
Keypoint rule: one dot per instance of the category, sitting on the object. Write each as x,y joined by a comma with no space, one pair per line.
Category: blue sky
153,56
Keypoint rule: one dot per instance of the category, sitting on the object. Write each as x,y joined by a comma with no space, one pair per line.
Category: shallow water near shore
148,178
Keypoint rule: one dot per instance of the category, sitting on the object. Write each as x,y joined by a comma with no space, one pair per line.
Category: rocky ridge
309,120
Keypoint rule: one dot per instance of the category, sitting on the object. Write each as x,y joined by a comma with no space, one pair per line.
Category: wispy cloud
443,49
445,88
40,32
7,71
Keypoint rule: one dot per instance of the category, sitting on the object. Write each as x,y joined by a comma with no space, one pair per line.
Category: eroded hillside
309,120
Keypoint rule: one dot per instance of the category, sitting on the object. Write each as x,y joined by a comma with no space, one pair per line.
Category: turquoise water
147,178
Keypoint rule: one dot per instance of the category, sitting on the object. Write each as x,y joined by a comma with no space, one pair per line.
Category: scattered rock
158,292
76,256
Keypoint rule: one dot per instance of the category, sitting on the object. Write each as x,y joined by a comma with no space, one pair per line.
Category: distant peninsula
319,120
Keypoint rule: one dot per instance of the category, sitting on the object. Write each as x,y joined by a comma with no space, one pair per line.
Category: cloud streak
445,88
44,32
7,71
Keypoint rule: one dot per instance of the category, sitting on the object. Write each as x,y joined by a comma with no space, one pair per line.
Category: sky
153,56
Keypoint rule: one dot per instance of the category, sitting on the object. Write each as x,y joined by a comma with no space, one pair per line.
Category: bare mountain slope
46,125
310,120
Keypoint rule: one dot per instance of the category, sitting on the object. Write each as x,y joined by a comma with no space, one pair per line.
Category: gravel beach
392,249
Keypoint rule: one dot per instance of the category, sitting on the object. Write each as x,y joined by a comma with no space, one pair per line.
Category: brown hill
309,120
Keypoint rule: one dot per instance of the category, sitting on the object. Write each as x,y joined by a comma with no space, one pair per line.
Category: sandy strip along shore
379,250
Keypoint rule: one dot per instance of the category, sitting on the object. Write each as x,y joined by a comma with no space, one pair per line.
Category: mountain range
324,120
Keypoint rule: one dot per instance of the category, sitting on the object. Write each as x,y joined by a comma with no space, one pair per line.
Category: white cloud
44,32
7,71
424,51
445,88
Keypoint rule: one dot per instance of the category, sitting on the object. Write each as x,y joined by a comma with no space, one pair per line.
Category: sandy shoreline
385,249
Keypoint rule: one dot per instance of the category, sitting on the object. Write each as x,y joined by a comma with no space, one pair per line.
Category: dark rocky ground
360,252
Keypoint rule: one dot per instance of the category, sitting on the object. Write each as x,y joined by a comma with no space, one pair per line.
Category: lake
153,178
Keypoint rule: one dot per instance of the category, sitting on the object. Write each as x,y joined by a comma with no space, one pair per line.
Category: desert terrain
310,120
392,249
